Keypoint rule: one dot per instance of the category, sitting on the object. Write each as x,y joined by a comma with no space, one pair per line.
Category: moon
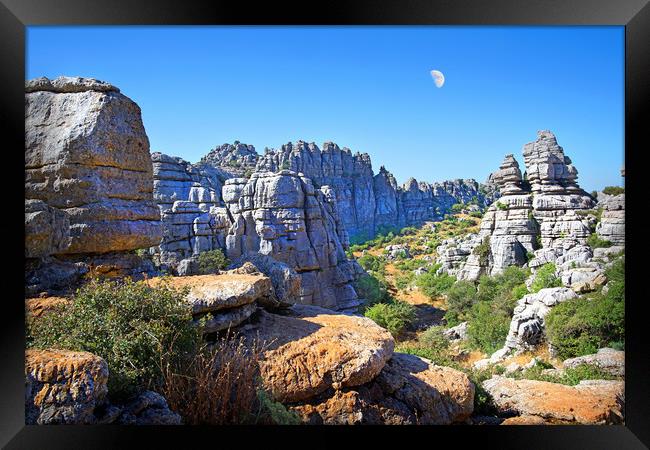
438,78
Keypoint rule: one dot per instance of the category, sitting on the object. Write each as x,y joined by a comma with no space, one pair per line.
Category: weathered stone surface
63,386
149,408
590,402
457,333
216,292
612,224
409,390
524,420
47,229
609,360
312,349
237,159
39,306
87,154
285,280
533,216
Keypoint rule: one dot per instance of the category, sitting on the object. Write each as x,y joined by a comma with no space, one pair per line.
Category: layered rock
612,223
537,211
87,154
225,300
373,203
282,215
88,179
593,402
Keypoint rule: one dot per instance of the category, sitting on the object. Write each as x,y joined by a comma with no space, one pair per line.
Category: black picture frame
15,15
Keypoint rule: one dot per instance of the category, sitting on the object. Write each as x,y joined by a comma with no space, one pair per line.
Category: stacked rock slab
612,222
282,215
340,369
541,209
189,198
88,172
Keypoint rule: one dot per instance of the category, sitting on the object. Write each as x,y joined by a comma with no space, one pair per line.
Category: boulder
39,306
47,229
591,402
63,386
607,359
409,390
312,349
87,155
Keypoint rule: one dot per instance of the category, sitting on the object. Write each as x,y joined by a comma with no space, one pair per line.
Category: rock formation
592,402
237,160
533,213
88,176
606,359
612,223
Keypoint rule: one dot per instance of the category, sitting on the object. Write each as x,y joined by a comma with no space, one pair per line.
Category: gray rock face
543,209
47,229
612,224
283,216
87,154
372,202
237,160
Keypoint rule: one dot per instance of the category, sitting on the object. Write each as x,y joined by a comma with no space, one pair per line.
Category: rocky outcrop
237,160
612,223
88,178
536,211
592,402
148,408
96,168
63,387
607,359
225,300
312,349
373,202
409,390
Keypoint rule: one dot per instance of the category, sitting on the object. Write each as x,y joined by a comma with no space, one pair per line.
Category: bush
432,285
410,264
545,278
432,345
212,261
394,316
595,241
372,290
490,288
614,190
373,263
460,298
404,281
483,251
581,326
570,376
457,207
128,324
502,206
487,327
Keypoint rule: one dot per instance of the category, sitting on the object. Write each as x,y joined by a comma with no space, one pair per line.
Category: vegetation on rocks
395,316
583,325
212,261
129,324
570,376
595,241
614,190
545,278
434,285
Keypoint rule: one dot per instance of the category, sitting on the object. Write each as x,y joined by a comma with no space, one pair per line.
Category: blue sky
366,88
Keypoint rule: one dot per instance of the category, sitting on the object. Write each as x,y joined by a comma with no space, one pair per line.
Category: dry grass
218,385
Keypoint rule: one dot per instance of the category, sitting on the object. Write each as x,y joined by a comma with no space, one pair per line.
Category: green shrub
410,264
460,298
483,251
570,376
432,285
477,214
519,291
487,327
404,281
545,278
581,326
275,412
614,190
128,324
490,288
616,280
595,241
432,345
538,242
372,290
502,206
394,316
373,263
457,207
212,261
